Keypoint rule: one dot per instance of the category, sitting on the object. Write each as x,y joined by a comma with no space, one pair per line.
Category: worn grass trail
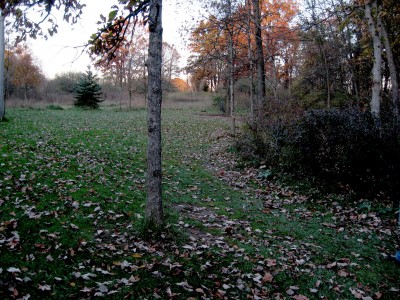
72,193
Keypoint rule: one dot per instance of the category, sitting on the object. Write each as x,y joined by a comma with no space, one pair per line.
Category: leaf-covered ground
72,193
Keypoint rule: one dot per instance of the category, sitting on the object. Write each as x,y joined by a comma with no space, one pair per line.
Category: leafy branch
113,35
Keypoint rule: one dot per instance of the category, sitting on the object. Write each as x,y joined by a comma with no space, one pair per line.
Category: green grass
72,191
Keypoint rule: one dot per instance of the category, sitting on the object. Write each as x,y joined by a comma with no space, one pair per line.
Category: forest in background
311,54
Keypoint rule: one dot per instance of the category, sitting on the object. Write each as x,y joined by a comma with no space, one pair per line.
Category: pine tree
88,91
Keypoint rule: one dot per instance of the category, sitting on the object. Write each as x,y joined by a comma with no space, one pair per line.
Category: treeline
321,54
123,79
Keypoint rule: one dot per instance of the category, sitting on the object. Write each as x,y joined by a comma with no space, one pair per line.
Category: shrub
335,146
219,102
54,107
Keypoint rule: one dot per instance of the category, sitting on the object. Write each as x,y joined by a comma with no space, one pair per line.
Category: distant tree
88,92
64,83
180,84
25,72
170,61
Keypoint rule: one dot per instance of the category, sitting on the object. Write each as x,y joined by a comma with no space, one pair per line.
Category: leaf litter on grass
72,197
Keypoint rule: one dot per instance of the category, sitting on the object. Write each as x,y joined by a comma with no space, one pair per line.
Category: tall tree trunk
274,78
231,71
2,47
130,99
154,209
319,40
327,76
251,62
392,70
376,70
259,57
231,86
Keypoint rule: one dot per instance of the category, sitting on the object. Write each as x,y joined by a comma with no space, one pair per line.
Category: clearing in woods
72,192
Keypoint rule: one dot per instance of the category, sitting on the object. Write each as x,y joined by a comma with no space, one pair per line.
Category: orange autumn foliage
180,84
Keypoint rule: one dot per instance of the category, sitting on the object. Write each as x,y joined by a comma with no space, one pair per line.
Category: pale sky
57,54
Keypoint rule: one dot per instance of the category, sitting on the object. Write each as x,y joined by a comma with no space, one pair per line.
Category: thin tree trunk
230,67
327,77
2,47
274,79
231,86
154,209
26,93
376,70
251,60
130,99
259,57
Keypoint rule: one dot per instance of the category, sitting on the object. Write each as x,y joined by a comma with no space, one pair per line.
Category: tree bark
376,70
231,71
2,47
259,57
392,70
154,209
251,62
231,86
327,76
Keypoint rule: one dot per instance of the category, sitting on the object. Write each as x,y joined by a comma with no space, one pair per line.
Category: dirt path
292,250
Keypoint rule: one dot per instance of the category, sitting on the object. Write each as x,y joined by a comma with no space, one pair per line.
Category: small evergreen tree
88,91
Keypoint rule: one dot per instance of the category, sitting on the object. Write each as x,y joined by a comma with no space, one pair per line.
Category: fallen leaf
13,270
268,277
343,273
290,292
73,226
44,287
300,297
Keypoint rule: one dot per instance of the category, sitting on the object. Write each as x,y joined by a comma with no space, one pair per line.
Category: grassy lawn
72,195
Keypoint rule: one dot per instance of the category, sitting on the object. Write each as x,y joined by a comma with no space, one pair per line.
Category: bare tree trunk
319,39
230,67
392,70
259,57
250,58
130,99
154,209
327,77
2,47
376,70
274,79
231,86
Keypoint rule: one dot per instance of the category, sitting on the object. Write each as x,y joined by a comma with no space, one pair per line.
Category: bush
219,102
54,107
333,145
